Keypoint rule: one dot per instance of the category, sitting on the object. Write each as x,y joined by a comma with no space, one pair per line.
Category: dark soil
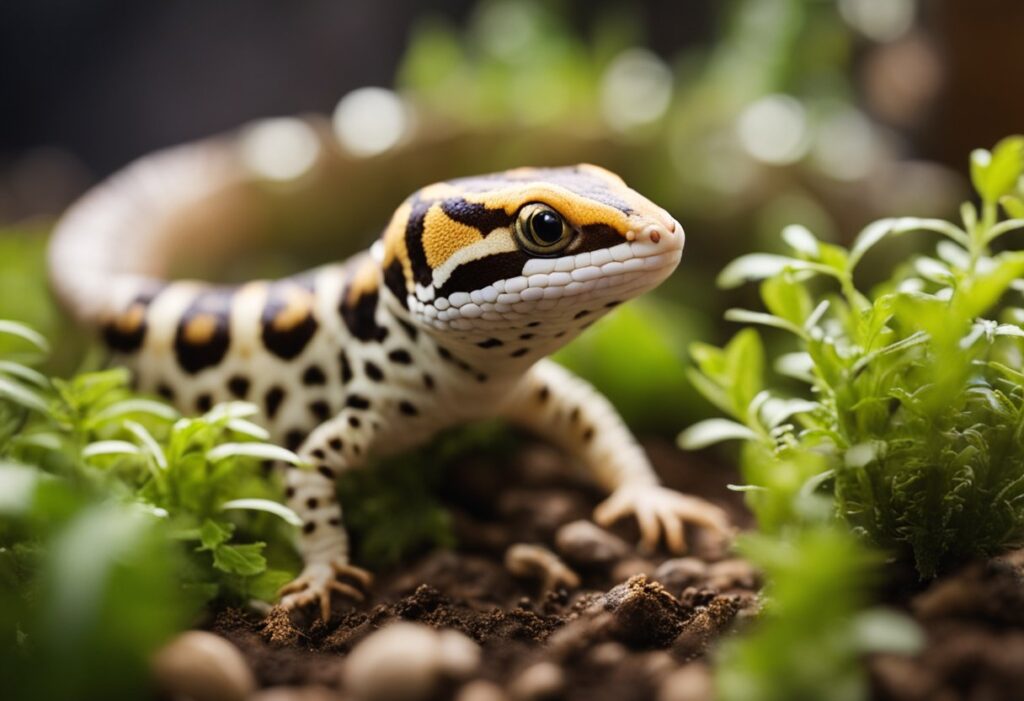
639,626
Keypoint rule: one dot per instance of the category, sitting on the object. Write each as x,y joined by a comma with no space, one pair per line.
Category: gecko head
524,259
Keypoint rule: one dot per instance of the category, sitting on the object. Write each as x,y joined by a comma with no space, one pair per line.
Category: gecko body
447,319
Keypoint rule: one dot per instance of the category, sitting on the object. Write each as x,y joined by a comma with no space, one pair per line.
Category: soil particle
705,626
681,572
585,544
644,614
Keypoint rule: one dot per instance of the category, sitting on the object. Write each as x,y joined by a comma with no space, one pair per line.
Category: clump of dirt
974,623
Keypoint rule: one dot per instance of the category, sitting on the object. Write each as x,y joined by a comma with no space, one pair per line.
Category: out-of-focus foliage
810,638
118,520
914,406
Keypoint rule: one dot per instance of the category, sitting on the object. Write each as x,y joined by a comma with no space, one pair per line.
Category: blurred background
739,116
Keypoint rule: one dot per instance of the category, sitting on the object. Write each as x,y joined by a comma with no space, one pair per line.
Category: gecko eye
541,230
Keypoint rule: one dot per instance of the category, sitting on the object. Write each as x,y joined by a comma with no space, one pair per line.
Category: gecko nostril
673,226
655,237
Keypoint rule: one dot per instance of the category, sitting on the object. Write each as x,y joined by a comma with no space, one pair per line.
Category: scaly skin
448,319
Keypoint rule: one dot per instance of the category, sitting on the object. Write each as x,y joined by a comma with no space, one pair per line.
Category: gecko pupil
547,227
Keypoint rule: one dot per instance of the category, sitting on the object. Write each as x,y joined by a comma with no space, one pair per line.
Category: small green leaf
1013,205
245,560
127,407
745,316
264,451
270,507
758,266
996,173
109,448
801,240
22,395
213,534
744,356
786,298
14,328
712,431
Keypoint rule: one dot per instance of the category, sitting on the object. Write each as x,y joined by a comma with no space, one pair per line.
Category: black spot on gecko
126,332
478,216
309,527
411,331
357,401
312,503
313,375
289,318
336,444
320,409
239,386
574,415
525,336
581,314
543,393
204,402
428,380
354,421
360,315
272,400
373,371
407,408
202,337
394,280
400,357
318,453
612,304
490,343
165,391
588,434
520,352
346,368
326,471
293,439
533,324
421,270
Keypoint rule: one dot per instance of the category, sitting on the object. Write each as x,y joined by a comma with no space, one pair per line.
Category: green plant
914,409
118,520
809,641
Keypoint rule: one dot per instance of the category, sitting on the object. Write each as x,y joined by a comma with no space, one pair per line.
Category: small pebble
608,654
681,572
481,690
584,543
203,667
407,662
733,574
543,680
630,567
690,683
295,693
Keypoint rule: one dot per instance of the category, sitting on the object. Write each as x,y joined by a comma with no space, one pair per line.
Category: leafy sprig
913,412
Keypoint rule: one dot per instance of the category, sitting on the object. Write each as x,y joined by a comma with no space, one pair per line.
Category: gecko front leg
569,412
333,448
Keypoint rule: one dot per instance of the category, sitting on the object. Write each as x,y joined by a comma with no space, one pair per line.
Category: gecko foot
660,509
318,580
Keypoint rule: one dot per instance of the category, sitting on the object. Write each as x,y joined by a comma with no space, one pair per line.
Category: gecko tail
116,241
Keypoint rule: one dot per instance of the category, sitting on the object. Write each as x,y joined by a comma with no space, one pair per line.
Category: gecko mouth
552,286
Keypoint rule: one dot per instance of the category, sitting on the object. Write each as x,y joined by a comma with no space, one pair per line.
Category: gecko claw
661,511
316,583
